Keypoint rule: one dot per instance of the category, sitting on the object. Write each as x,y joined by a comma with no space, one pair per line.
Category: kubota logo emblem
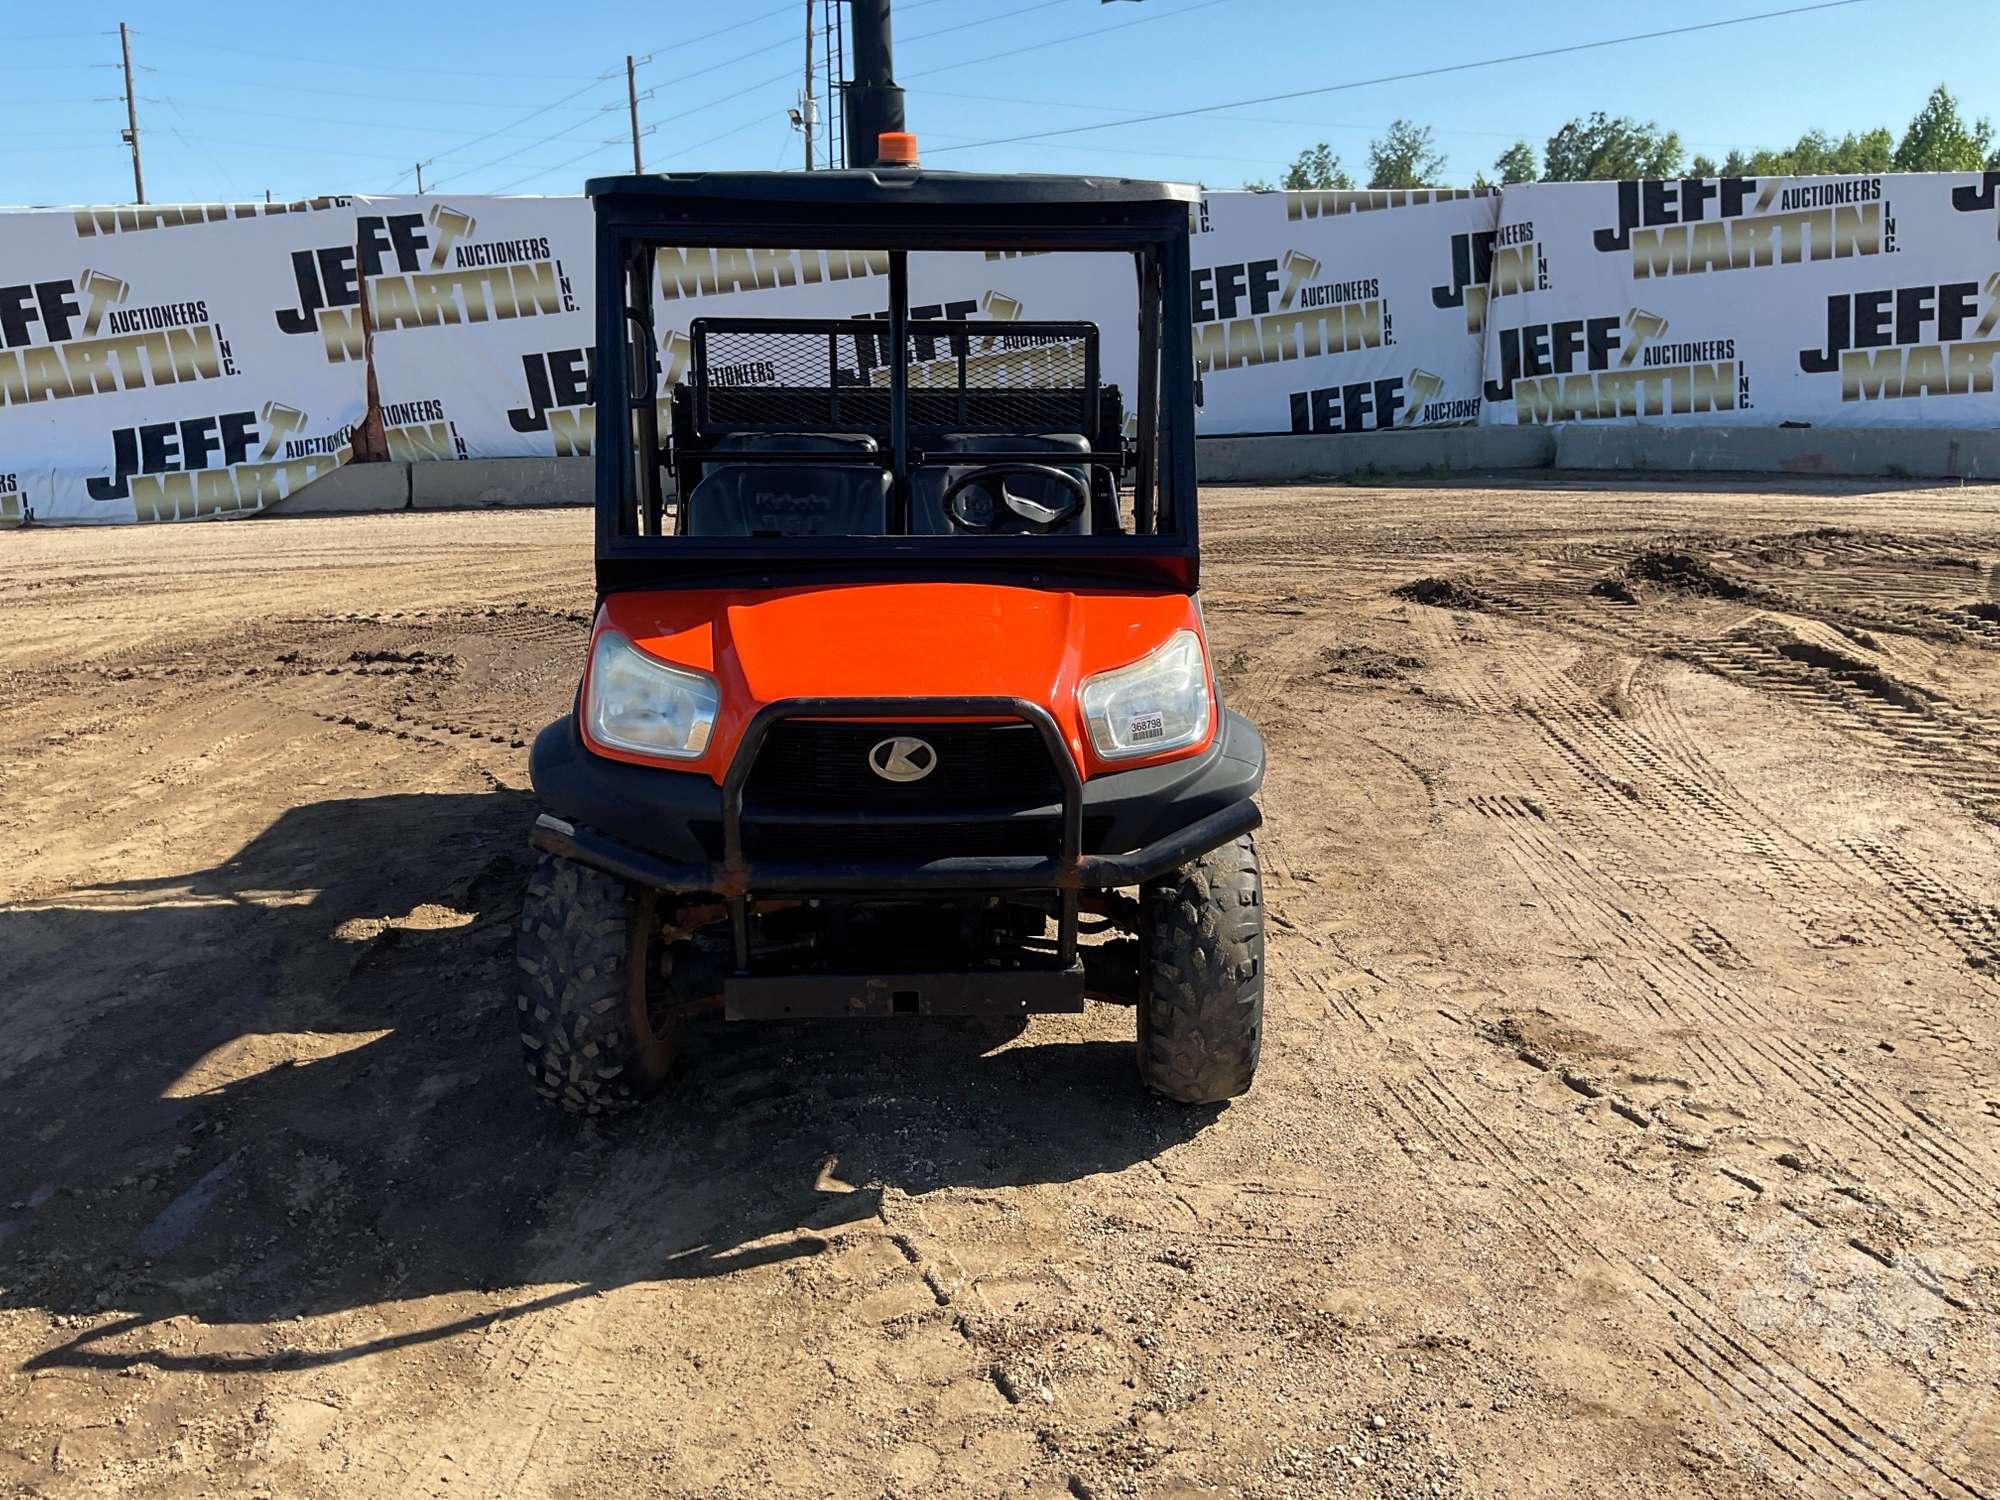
902,759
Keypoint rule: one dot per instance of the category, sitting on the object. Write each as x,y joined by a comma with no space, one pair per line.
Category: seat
791,499
928,483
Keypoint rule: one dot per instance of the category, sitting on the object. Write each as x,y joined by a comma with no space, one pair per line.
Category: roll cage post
644,380
899,390
1148,270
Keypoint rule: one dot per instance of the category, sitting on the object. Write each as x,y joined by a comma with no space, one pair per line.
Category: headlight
639,703
1158,703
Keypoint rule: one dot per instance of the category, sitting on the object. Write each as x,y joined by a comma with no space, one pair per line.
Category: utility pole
131,131
632,99
811,121
420,177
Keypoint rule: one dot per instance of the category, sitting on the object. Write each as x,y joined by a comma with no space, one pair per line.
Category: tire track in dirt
1724,1023
1972,929
1257,674
1698,801
1690,984
1255,677
1873,876
1926,736
1812,1422
1923,737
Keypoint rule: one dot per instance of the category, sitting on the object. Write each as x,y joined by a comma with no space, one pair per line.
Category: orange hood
886,640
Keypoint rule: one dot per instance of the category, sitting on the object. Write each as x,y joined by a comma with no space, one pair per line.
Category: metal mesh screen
826,375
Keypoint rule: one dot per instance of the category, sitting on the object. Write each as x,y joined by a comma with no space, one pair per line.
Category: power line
532,114
1360,83
324,60
784,77
341,151
1329,125
1075,36
567,133
1255,161
783,10
1105,109
750,124
762,83
289,87
220,170
1005,15
596,150
395,125
663,83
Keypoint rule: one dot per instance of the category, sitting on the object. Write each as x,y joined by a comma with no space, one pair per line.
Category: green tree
1516,164
1598,148
1939,141
1314,169
1406,156
1818,154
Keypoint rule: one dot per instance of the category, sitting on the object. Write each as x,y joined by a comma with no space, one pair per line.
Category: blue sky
522,97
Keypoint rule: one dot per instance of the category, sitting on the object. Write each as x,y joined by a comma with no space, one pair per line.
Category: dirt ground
1628,1121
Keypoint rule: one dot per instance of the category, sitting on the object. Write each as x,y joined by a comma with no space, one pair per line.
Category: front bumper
944,876
642,824
646,825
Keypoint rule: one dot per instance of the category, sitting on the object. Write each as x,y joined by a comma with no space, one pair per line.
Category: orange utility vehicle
898,699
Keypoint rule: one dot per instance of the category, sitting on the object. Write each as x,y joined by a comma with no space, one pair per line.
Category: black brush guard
1058,986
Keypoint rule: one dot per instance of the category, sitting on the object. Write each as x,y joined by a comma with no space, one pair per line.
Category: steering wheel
1039,517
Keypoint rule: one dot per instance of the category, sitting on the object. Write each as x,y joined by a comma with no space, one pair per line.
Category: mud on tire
574,959
1201,1019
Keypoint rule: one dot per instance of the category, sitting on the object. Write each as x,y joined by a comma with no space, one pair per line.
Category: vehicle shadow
290,1085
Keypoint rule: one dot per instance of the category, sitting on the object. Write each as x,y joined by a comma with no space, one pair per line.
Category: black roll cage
896,212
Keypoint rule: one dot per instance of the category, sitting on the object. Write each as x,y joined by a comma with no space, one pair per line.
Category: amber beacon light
896,148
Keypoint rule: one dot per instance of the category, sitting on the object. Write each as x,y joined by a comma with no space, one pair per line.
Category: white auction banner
484,319
485,327
147,365
1860,301
486,346
164,363
1339,311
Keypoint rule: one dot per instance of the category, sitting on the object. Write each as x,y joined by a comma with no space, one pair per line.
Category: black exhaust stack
874,103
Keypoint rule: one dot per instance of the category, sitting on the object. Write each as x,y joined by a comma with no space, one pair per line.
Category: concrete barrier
479,482
1272,460
1834,452
348,489
1904,453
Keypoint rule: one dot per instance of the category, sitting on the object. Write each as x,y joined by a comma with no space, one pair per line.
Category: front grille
840,843
823,764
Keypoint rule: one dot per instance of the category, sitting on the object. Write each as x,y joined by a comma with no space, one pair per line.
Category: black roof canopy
996,207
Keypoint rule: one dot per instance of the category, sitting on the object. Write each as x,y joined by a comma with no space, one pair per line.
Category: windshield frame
630,229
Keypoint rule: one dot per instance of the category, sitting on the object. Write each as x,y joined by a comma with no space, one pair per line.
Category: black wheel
581,960
1201,1019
